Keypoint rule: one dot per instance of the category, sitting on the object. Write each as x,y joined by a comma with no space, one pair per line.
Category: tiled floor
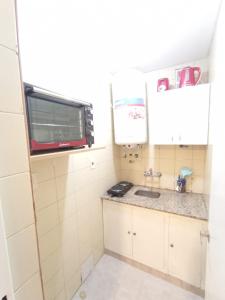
116,280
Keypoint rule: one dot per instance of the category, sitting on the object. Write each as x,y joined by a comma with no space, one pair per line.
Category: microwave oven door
55,125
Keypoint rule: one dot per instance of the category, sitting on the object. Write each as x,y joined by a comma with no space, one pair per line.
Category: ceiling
114,34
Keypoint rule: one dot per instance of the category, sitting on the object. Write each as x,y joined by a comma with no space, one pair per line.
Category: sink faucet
150,173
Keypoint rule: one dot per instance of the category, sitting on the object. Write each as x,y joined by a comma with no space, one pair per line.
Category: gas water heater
129,107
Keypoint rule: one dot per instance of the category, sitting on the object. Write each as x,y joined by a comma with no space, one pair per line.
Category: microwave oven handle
34,89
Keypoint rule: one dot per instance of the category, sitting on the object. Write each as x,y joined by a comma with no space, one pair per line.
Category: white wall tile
63,165
42,170
47,219
72,285
8,20
51,265
44,194
67,207
77,189
32,289
49,243
65,185
17,202
10,86
61,295
54,286
23,256
14,156
169,160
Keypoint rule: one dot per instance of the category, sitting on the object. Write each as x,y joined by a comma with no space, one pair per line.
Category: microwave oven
55,122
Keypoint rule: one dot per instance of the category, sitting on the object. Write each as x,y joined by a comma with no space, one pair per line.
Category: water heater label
130,102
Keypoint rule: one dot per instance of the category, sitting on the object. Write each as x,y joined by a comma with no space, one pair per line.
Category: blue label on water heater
130,101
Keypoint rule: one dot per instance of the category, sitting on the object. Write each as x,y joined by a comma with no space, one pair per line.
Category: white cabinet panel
8,24
192,120
179,116
149,238
160,118
117,228
185,250
168,243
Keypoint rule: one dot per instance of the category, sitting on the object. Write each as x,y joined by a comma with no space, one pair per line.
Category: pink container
189,76
163,84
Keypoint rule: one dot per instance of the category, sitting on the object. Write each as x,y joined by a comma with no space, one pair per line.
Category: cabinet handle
172,139
128,232
134,233
171,245
179,138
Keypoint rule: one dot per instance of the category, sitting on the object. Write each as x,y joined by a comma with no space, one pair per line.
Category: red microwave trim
35,146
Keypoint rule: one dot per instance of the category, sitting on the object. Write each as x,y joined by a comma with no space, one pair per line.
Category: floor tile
113,279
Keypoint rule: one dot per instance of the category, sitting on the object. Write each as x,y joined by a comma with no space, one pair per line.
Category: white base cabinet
149,238
118,228
186,250
169,243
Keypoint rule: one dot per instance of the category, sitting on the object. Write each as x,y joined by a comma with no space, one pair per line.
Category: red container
189,76
163,84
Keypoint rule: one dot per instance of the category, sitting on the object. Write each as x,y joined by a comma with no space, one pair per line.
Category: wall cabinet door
185,250
179,116
118,228
161,120
193,113
149,238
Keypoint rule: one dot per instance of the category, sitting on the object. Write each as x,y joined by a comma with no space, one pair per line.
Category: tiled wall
168,160
15,186
69,216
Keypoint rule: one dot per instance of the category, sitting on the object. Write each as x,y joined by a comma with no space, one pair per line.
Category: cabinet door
161,118
179,116
149,239
185,250
117,228
192,115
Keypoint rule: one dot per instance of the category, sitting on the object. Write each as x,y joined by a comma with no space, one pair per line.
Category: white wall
16,202
215,288
5,279
52,57
67,190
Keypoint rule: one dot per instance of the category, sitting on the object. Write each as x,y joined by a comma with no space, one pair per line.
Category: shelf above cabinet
64,153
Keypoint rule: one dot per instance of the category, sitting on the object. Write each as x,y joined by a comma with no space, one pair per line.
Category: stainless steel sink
148,194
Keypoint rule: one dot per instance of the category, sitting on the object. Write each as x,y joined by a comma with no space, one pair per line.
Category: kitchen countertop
185,204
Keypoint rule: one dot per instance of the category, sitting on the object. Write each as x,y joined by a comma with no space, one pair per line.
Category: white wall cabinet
179,116
166,242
